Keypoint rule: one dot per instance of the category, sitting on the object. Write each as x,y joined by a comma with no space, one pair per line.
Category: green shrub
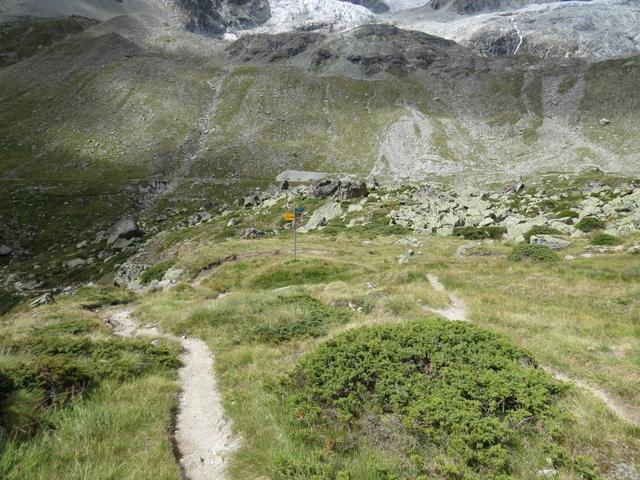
156,272
566,213
455,388
479,233
537,253
589,224
67,327
605,239
540,230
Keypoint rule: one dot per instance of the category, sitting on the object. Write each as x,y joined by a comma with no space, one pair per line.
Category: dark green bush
156,272
605,239
541,230
479,233
67,327
458,388
589,224
536,253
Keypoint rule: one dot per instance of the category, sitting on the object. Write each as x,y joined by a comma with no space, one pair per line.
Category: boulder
42,300
404,258
128,273
324,188
474,249
284,185
251,234
126,228
173,275
347,190
550,241
603,122
5,250
322,215
76,262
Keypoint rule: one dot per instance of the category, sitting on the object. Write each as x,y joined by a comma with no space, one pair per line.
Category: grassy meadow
332,367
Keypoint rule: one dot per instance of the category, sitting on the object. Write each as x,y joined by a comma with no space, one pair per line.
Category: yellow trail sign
289,217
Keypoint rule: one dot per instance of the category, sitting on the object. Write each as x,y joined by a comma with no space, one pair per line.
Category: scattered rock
42,300
547,473
517,187
173,275
474,249
129,272
76,262
251,234
404,258
635,249
624,471
550,241
200,217
603,122
126,228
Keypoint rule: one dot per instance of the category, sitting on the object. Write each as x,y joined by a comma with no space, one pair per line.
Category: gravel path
203,434
457,310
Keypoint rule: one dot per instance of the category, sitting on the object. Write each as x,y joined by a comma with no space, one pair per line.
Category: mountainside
597,28
127,102
576,28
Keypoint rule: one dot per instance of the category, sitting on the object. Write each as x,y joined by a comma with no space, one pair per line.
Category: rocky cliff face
213,17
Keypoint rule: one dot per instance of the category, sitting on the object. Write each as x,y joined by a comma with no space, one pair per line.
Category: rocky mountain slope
577,28
132,114
597,28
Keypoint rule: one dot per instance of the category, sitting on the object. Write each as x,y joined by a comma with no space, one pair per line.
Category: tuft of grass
307,271
589,224
605,239
536,253
566,213
269,317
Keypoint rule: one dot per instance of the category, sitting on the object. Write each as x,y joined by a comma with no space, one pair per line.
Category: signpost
291,217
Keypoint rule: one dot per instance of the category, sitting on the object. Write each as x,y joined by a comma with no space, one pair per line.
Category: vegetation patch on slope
459,399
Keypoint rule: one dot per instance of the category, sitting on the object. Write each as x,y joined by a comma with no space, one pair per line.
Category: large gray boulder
550,241
5,250
126,228
348,189
324,188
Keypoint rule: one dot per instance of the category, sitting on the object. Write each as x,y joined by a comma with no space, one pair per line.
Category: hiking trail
203,434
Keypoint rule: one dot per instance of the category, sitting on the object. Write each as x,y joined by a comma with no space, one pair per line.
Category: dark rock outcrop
376,6
126,228
212,17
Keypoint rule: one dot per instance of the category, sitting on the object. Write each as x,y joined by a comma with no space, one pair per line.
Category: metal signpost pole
295,246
